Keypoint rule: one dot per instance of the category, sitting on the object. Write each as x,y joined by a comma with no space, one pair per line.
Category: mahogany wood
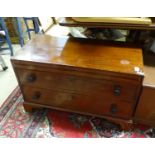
82,53
96,104
80,84
80,75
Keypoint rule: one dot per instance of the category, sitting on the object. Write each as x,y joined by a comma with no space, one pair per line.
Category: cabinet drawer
83,85
99,105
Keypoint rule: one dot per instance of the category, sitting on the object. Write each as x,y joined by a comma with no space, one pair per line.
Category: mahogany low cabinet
81,75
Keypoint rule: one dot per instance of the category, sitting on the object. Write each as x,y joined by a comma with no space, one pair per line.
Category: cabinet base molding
124,124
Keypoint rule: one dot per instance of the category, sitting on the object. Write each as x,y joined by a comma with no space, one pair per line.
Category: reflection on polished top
82,53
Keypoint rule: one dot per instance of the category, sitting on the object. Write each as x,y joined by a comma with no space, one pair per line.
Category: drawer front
99,105
119,90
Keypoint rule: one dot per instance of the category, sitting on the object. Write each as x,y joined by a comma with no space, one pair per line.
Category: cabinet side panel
145,112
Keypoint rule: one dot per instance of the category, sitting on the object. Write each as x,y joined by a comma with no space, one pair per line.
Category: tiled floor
8,80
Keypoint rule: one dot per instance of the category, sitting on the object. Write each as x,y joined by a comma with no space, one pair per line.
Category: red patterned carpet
46,123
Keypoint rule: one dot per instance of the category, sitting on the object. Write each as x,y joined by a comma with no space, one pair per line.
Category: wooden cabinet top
82,53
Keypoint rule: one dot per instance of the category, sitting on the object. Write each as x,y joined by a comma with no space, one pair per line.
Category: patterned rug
47,123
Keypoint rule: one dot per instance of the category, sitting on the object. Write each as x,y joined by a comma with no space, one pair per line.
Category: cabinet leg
125,125
30,108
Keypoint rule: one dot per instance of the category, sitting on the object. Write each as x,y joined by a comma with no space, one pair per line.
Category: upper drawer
83,85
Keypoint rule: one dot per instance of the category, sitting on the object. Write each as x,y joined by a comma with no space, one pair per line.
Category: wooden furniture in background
68,21
81,75
117,20
145,111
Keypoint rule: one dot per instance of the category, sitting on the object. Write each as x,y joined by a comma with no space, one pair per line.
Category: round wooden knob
113,108
117,90
31,78
71,97
71,78
36,96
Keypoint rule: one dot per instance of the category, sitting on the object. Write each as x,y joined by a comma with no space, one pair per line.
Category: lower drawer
99,105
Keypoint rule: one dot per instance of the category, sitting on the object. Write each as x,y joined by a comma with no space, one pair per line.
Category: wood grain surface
82,53
80,75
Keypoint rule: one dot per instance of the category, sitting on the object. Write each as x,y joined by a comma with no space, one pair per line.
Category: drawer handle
113,108
71,78
31,78
71,97
117,90
36,96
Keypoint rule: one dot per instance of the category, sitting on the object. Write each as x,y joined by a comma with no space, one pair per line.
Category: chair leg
9,43
3,63
36,25
21,39
6,35
27,27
